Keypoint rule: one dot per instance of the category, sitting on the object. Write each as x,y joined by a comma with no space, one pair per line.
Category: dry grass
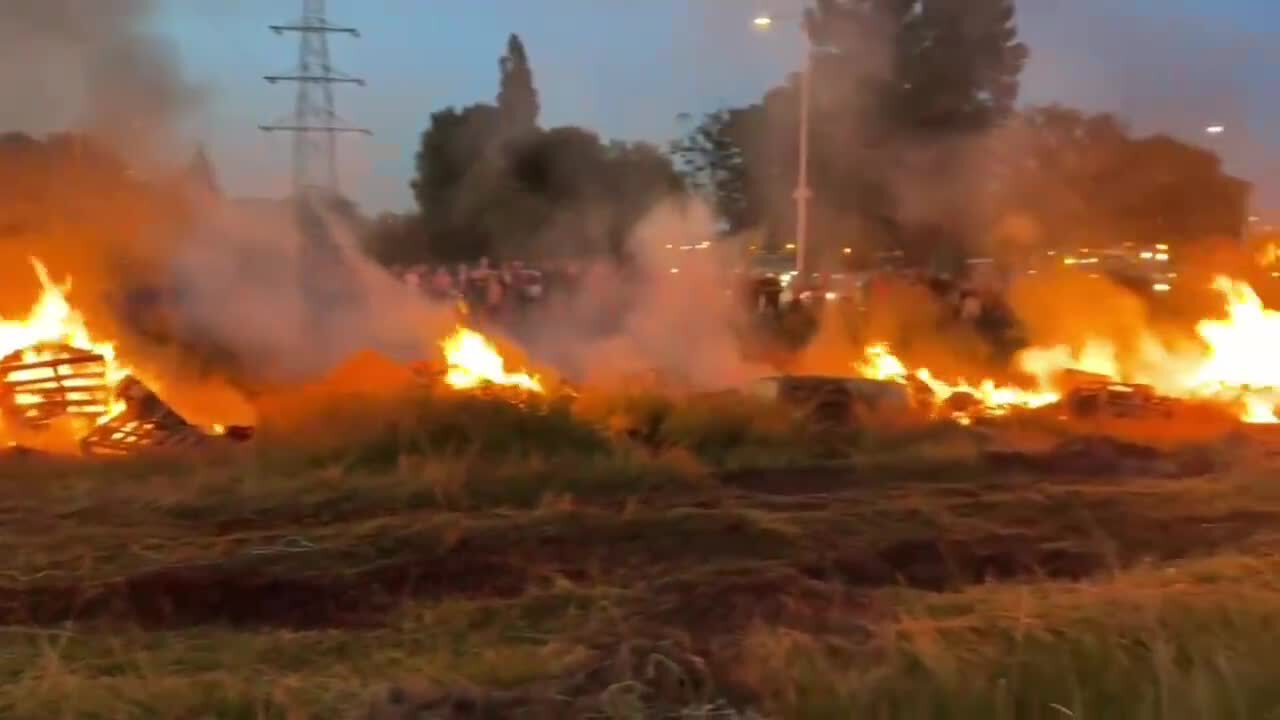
1194,640
602,578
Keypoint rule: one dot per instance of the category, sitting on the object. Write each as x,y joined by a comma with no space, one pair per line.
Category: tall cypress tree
517,97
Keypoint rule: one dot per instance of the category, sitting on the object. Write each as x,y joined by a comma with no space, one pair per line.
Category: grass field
520,563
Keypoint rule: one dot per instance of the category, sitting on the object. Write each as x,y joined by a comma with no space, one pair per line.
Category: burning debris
834,401
474,362
959,401
147,423
1230,367
471,362
51,366
53,370
1105,398
47,381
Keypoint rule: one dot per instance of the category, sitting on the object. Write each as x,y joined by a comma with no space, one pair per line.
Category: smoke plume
293,296
72,64
672,312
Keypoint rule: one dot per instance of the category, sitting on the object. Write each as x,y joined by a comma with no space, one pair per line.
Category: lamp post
803,193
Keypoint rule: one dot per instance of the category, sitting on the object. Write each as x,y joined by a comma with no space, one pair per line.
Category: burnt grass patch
709,573
240,597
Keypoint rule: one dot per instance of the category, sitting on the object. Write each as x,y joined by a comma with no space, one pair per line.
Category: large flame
1235,362
879,363
475,362
1241,358
52,323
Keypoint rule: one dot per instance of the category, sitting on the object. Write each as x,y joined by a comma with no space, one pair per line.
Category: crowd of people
493,290
504,293
796,304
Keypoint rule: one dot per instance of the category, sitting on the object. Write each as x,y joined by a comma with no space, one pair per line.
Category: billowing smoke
72,64
673,311
285,290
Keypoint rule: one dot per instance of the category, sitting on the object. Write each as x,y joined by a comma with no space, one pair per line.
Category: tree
517,96
491,183
638,177
900,89
458,151
397,239
455,144
1078,180
1165,190
715,160
564,193
932,65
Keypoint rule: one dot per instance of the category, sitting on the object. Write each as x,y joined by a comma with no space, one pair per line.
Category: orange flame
53,321
1240,360
1234,364
475,362
879,363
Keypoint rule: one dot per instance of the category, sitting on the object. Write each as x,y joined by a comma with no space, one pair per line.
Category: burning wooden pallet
1118,400
45,382
148,424
833,401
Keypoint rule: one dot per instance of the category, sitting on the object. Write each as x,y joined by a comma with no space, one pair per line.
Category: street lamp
1215,129
803,192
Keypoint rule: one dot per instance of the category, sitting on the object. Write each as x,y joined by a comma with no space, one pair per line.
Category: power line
314,123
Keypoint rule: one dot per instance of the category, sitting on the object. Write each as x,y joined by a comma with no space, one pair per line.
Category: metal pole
803,192
314,123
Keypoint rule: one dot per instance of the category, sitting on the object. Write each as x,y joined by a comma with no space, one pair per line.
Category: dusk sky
627,68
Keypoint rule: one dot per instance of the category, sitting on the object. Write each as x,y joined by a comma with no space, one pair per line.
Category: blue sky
627,68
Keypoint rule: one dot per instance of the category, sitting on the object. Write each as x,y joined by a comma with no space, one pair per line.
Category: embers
44,382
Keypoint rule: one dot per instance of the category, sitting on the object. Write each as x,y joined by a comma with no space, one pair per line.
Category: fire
41,341
1268,255
1235,362
879,363
1241,358
475,362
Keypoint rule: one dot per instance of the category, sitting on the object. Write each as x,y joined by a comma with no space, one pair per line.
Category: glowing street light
803,192
1215,129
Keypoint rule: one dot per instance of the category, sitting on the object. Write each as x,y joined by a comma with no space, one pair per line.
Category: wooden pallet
834,401
45,382
120,436
148,424
1118,400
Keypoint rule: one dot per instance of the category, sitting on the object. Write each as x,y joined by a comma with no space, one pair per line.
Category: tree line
918,145
491,182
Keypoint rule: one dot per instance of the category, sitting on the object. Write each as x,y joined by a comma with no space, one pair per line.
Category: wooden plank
9,366
101,377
